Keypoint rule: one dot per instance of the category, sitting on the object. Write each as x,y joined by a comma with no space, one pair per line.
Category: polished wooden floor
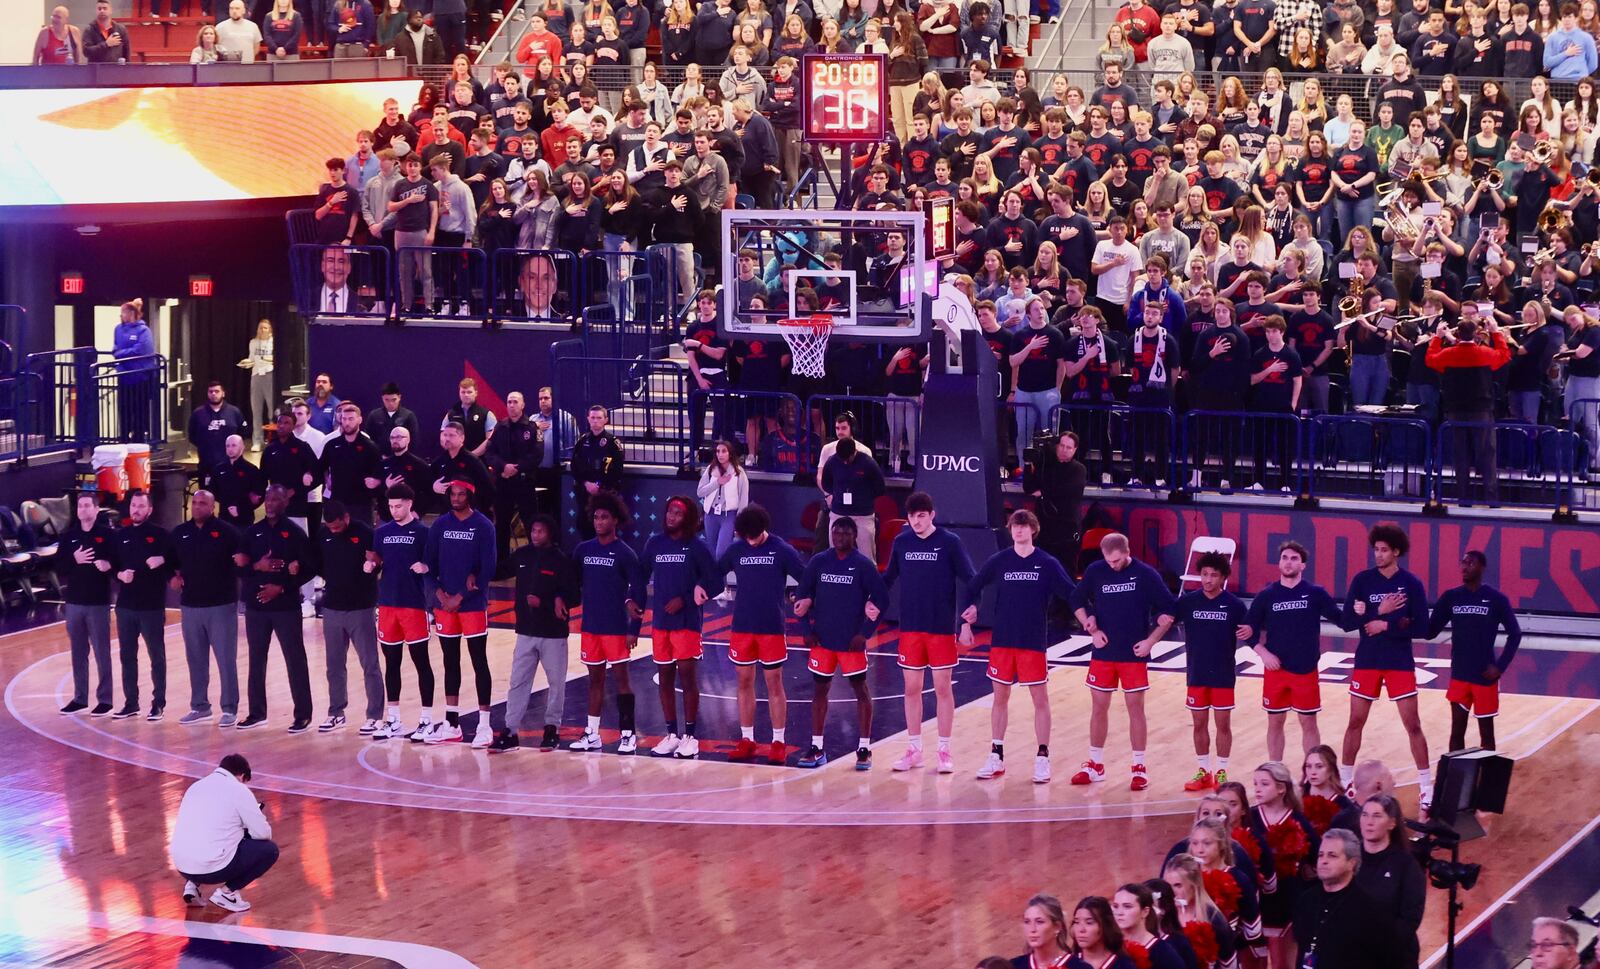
514,861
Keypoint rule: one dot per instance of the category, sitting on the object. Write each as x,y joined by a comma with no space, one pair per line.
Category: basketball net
808,343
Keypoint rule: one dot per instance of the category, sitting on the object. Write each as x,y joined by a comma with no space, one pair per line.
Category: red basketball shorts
398,624
1282,691
1371,684
461,623
1483,699
1107,676
921,651
768,649
826,662
1018,667
1210,698
600,649
670,645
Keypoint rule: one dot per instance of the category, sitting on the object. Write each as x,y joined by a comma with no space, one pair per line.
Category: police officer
596,467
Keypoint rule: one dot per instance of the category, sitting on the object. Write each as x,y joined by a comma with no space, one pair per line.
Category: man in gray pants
141,607
87,551
546,584
348,567
203,571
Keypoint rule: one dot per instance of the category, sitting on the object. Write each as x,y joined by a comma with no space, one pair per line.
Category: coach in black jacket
512,457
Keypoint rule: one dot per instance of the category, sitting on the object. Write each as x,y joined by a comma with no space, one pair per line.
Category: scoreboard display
940,226
845,97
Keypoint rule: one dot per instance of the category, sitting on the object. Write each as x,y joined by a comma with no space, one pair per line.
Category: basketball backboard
877,289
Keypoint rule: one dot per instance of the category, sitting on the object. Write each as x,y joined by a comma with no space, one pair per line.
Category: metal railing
130,401
533,286
1121,446
356,279
648,401
1517,465
1366,456
450,281
884,424
1215,446
61,377
771,424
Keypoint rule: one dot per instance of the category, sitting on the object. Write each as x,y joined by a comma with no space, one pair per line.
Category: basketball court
721,861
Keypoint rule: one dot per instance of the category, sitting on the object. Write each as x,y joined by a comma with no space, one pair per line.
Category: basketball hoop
808,343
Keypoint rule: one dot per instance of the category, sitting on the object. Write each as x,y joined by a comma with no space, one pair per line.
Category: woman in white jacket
724,491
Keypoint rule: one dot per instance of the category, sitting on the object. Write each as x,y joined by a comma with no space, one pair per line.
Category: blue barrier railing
1507,463
1233,450
66,412
1121,446
533,286
888,425
771,424
1369,456
344,281
449,282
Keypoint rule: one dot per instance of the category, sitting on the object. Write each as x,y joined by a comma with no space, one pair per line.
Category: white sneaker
947,764
191,894
484,735
369,727
688,749
1041,770
308,610
330,725
629,743
420,735
232,901
443,733
994,766
589,741
378,309
389,729
465,310
667,746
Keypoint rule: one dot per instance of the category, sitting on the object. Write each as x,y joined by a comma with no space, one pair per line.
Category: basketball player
1213,625
1025,577
1475,613
400,545
1286,620
673,564
1115,603
935,568
607,569
848,595
460,556
761,563
1390,606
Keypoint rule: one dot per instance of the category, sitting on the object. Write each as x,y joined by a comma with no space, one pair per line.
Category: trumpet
1592,176
1495,178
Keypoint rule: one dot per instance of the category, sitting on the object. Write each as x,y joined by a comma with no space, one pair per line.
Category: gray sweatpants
529,652
89,630
341,629
212,631
149,623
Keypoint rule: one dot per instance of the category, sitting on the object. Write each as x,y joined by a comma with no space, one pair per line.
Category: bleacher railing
533,286
1121,446
65,408
1217,448
889,425
1534,466
353,280
449,281
771,423
648,401
1369,456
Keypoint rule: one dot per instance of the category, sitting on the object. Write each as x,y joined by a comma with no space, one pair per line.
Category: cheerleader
1164,906
1294,847
1204,925
1133,909
1235,893
1321,795
1212,806
1096,940
1044,929
1248,834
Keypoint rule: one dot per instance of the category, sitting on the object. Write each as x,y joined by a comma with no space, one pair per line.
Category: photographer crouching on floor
221,837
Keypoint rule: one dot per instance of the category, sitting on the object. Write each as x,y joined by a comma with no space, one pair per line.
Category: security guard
596,467
512,457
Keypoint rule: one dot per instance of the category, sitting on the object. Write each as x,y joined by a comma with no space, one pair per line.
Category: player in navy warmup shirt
1025,579
674,563
402,609
1115,602
1286,624
1475,613
460,558
840,597
933,568
607,569
1213,624
1390,606
760,562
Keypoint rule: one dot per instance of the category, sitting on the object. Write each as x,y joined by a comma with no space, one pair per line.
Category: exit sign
200,286
72,284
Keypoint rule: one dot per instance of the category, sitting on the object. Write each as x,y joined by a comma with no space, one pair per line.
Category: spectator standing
1569,50
1389,872
60,42
353,27
282,31
1116,261
105,41
239,34
724,491
1038,364
1554,945
450,19
375,205
221,836
853,482
133,342
419,43
414,202
258,361
338,207
1336,922
211,424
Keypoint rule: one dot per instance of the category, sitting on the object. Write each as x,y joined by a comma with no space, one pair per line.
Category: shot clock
845,97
